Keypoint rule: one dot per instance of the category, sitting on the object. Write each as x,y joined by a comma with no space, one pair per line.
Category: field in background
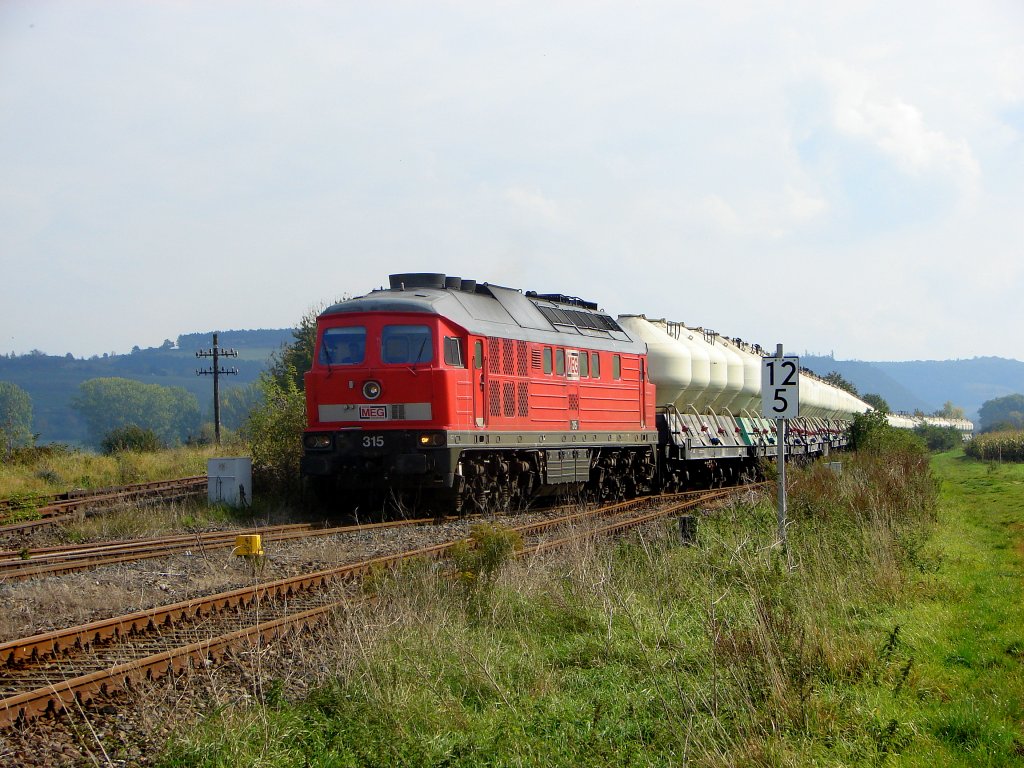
57,469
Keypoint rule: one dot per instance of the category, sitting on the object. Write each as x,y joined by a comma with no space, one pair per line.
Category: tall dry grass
725,653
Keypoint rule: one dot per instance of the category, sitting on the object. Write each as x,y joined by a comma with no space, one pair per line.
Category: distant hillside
870,379
52,381
927,385
968,383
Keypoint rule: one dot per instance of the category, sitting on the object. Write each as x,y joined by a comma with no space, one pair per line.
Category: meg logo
373,412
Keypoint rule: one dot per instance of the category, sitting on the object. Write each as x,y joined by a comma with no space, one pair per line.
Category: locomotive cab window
478,354
343,346
453,352
406,344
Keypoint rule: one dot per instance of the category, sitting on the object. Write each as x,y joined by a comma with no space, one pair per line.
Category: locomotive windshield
406,344
343,346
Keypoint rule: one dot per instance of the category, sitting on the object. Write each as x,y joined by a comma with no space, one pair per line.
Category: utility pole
216,371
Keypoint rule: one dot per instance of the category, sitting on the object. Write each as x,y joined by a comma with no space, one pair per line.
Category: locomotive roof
492,310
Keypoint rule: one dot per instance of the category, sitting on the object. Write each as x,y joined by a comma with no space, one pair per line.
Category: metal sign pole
780,432
780,400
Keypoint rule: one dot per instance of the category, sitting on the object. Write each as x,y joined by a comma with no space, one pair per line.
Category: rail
56,669
21,514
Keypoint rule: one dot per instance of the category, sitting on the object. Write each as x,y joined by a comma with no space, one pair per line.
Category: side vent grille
508,356
509,399
493,399
524,398
493,355
522,355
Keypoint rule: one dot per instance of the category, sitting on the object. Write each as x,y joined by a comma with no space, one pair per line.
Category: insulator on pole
216,371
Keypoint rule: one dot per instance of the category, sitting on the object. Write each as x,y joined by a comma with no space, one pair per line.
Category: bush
478,562
938,438
130,438
275,434
35,453
871,432
489,547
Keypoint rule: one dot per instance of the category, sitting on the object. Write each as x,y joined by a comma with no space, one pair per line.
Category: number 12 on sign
780,387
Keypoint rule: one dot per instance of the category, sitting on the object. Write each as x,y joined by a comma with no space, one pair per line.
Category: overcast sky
841,177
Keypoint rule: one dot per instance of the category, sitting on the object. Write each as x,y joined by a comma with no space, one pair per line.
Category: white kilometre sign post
780,400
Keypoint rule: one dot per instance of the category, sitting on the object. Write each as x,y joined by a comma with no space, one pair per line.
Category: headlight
431,439
371,390
317,441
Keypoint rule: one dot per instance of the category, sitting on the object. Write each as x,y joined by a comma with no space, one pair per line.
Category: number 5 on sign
780,387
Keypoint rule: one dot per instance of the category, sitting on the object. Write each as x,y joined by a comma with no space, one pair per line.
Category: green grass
897,639
965,621
61,470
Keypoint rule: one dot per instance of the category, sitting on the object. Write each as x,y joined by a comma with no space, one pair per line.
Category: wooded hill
52,381
926,385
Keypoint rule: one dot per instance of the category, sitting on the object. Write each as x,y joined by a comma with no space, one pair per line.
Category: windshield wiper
330,363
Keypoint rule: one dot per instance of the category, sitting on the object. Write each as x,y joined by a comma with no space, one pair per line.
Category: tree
15,418
950,411
295,359
1002,413
836,379
238,403
292,361
877,402
105,404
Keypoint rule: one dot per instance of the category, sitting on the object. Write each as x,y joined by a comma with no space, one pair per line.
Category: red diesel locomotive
464,395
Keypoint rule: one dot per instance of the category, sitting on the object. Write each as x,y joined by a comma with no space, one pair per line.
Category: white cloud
295,152
862,110
1010,75
717,212
803,206
535,204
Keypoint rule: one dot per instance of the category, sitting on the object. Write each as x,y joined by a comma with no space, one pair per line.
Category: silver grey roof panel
522,310
491,311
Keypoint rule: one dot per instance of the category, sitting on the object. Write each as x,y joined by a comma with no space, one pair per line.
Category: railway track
23,514
56,669
17,565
